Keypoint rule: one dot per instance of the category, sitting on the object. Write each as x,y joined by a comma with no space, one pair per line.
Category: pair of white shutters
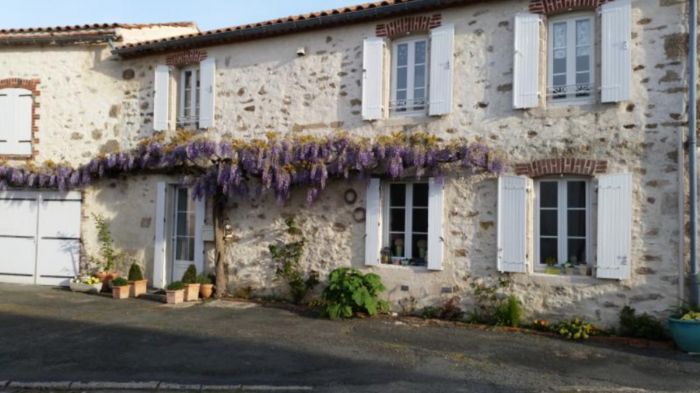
373,223
441,66
614,225
16,121
161,95
616,59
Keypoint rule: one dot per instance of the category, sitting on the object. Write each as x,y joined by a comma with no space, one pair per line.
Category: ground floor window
406,229
562,222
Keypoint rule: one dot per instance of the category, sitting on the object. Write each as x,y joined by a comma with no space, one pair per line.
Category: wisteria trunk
219,245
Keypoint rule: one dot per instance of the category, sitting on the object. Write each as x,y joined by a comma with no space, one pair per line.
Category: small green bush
350,292
640,326
135,273
120,282
175,286
508,313
575,329
450,311
203,279
190,276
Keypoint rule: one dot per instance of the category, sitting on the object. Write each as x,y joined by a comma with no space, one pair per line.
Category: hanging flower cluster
235,167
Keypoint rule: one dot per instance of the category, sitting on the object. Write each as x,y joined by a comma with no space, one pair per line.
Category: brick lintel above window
561,166
410,24
551,7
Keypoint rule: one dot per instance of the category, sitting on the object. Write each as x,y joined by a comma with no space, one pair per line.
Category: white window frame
562,217
570,19
410,79
408,218
193,118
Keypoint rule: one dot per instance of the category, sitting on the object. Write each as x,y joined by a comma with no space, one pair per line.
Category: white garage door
39,237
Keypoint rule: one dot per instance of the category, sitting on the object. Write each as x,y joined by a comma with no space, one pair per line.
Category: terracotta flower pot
205,290
174,297
120,292
137,287
106,278
191,292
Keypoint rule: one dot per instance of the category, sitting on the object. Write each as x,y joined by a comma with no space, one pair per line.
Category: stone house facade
586,99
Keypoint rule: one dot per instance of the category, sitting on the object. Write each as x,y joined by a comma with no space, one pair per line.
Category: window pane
419,81
583,63
181,229
576,193
190,249
420,220
418,99
548,222
182,199
583,32
559,35
398,194
559,61
576,223
397,245
420,52
548,194
401,78
420,194
397,218
402,55
548,251
420,249
577,251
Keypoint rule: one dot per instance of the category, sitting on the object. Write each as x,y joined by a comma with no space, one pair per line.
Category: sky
208,14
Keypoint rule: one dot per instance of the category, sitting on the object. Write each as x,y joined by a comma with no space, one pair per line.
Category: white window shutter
526,61
441,65
159,254
616,57
614,226
373,222
23,122
7,134
513,224
161,98
199,213
372,78
436,241
207,83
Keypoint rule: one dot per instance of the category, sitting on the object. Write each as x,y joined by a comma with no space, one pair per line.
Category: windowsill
547,278
402,120
403,267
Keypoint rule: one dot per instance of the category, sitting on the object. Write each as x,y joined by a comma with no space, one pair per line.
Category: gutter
692,149
47,39
274,29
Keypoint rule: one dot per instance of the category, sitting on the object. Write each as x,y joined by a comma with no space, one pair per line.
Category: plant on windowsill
120,288
206,288
551,268
137,283
191,284
175,292
685,329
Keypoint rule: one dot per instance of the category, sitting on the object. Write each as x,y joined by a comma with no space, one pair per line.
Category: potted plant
685,329
137,284
175,292
86,284
191,284
205,286
107,254
120,288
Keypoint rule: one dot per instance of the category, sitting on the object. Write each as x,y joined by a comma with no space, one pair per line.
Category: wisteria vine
234,167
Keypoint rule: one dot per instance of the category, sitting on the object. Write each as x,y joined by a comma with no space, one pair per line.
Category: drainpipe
692,148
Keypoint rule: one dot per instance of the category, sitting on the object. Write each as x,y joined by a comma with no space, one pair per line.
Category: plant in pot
86,284
191,284
175,292
107,254
120,288
137,283
685,329
206,288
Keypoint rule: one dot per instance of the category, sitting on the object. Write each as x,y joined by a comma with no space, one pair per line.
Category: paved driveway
55,335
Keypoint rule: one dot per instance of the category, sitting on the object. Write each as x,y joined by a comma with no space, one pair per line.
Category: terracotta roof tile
93,26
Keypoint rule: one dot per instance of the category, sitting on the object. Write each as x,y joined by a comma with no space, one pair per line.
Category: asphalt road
55,335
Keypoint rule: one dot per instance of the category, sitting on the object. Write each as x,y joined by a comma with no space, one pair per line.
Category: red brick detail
550,7
33,86
409,24
188,57
561,166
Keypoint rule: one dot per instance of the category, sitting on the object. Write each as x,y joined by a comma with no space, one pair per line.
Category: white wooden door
183,239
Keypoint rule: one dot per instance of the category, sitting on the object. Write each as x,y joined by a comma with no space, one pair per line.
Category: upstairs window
188,97
571,58
409,76
16,122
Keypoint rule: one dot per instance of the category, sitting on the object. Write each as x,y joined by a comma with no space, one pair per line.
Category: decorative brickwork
33,86
409,24
561,166
180,59
549,7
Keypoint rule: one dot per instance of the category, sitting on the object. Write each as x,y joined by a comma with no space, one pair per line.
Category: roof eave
69,39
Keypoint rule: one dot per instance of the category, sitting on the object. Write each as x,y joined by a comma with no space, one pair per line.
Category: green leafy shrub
287,256
450,311
575,329
640,326
108,255
135,273
120,282
190,275
488,298
175,286
203,279
508,312
350,292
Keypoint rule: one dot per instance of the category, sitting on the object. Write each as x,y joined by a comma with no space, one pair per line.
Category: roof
93,26
291,24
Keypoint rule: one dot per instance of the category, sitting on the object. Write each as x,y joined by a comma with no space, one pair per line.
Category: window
409,76
562,222
188,97
16,107
571,58
406,230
